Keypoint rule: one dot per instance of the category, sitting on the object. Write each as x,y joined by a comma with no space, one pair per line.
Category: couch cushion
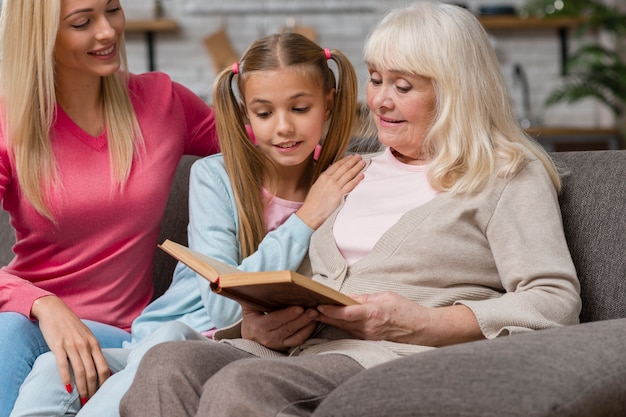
7,238
593,204
174,225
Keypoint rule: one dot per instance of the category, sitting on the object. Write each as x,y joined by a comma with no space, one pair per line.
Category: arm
528,245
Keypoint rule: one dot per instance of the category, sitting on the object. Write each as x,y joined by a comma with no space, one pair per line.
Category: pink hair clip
236,67
327,53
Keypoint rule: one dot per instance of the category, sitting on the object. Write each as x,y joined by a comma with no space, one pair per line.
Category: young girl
255,206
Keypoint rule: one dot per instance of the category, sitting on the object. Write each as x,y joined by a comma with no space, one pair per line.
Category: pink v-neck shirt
98,257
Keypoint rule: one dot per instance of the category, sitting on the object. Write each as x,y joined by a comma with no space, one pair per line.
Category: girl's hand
72,343
390,316
326,193
278,330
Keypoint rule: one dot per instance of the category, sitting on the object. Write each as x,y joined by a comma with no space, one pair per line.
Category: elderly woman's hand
278,330
390,316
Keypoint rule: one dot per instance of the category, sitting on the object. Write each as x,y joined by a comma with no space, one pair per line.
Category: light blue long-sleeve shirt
213,230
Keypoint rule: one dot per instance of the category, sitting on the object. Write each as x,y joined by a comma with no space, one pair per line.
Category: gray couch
573,371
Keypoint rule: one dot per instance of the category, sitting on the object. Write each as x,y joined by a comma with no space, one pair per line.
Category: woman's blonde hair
474,135
27,82
245,164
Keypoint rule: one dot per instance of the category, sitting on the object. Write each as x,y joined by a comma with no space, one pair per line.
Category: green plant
594,70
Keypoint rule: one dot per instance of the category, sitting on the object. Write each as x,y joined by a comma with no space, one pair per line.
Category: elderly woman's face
403,106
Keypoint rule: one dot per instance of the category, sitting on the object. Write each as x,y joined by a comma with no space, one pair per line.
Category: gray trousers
205,378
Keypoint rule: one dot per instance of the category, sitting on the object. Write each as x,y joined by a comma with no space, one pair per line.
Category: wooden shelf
563,138
151,25
571,131
521,23
561,24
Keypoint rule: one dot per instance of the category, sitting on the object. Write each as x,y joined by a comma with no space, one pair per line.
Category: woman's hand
72,343
278,330
390,316
326,193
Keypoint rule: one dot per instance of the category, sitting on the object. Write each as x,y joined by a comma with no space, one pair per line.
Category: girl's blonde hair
245,164
474,135
27,82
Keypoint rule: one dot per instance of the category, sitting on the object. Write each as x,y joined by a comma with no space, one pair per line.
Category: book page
202,264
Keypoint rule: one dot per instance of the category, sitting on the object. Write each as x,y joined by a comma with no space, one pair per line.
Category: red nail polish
68,388
83,401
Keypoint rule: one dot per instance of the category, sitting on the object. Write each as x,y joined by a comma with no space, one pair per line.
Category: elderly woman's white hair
474,135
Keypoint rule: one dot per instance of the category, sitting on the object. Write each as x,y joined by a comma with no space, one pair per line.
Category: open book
265,290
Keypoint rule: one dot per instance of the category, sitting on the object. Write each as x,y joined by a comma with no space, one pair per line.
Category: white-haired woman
454,235
87,155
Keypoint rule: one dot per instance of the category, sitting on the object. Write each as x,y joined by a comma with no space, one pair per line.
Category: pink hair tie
236,67
327,53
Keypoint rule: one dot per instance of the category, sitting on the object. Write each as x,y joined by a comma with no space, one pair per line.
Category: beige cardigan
501,252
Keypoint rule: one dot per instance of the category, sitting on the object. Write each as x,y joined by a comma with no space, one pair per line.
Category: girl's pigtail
343,114
243,162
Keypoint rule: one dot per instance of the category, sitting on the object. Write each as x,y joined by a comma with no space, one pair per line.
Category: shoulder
157,84
530,171
208,176
210,167
148,80
530,182
212,162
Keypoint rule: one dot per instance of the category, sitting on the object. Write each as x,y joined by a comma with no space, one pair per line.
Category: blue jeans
21,343
43,393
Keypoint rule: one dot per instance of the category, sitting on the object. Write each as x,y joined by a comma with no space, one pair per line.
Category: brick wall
340,24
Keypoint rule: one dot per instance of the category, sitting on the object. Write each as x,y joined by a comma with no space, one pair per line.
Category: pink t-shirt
277,210
98,258
389,190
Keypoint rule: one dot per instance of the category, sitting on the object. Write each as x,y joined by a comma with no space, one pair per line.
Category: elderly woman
454,235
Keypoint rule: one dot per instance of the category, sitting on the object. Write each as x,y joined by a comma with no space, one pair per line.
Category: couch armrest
573,371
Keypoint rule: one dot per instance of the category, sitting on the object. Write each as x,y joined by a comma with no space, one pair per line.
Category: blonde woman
454,235
87,155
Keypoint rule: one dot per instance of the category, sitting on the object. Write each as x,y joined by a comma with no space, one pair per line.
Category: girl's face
88,39
287,110
403,106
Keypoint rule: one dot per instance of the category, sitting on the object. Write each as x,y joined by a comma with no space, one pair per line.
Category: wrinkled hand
326,193
278,330
72,343
390,316
381,316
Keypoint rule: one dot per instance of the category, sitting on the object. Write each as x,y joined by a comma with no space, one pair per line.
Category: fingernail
83,401
110,372
68,388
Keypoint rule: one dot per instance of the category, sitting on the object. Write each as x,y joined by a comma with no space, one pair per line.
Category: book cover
265,290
